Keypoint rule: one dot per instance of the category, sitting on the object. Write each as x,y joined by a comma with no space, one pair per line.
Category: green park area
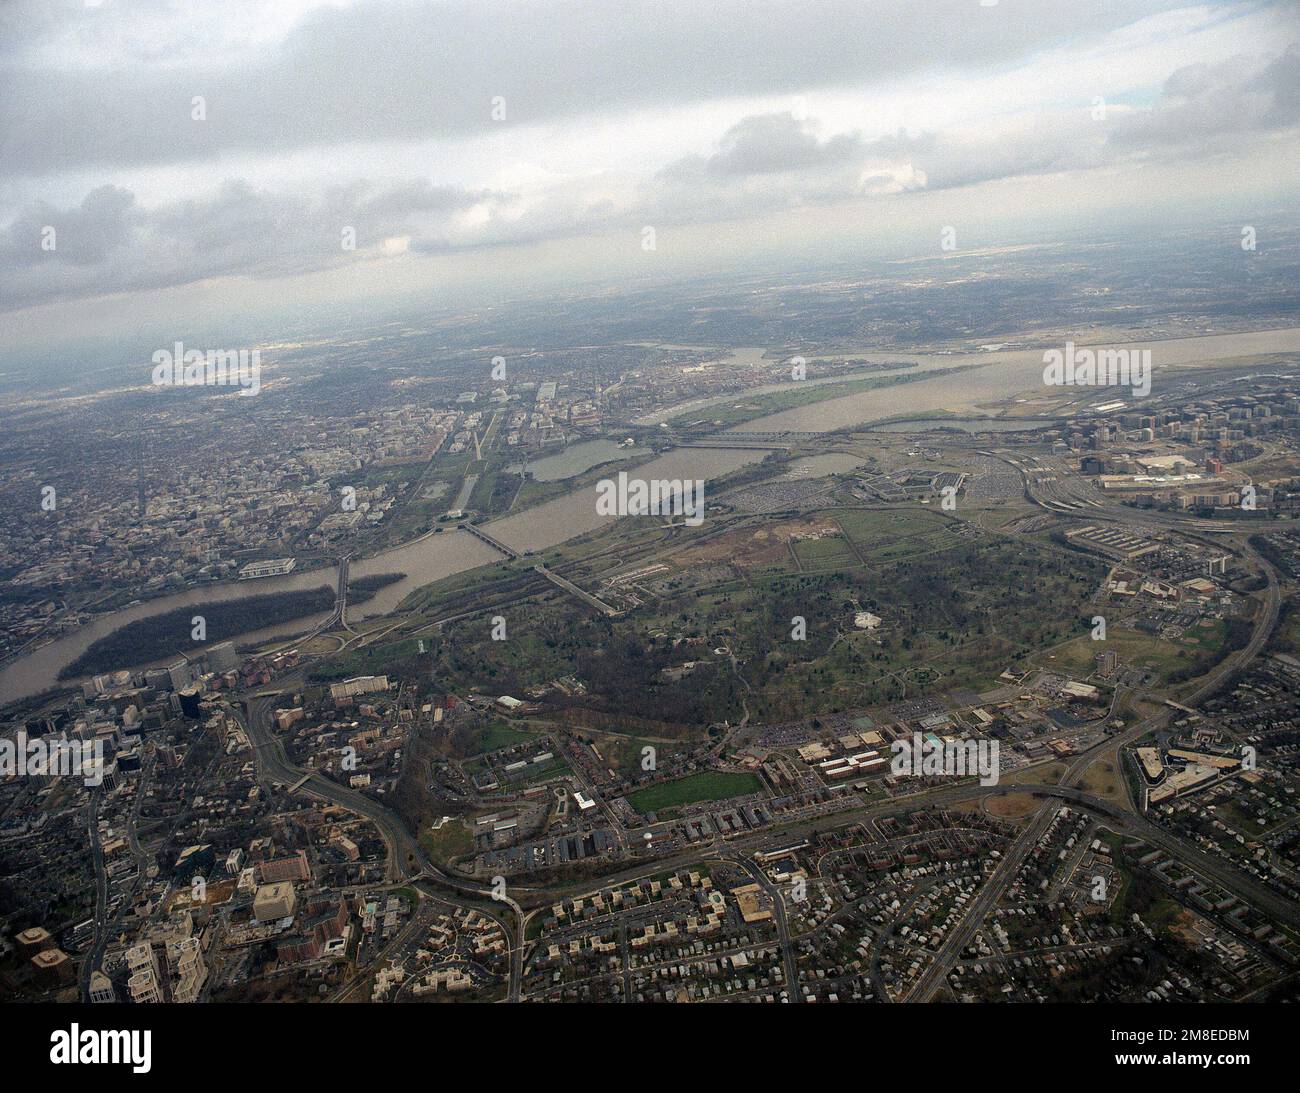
705,786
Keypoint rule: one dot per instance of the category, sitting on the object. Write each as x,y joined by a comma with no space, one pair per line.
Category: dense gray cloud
88,96
775,160
770,143
406,71
109,243
768,162
1282,80
82,236
1236,98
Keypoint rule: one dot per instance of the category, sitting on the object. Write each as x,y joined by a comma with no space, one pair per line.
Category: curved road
407,860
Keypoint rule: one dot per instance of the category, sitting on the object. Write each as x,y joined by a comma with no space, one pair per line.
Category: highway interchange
409,864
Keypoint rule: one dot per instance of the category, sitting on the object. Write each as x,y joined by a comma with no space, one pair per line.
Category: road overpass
340,615
492,541
585,597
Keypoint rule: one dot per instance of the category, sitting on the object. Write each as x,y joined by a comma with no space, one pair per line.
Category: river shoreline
1000,375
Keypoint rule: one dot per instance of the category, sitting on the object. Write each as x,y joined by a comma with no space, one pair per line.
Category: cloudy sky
176,157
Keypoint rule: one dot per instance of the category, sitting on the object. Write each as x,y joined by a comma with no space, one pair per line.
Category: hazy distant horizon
743,138
53,359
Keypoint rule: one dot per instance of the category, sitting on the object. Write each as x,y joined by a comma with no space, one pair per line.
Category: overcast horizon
171,162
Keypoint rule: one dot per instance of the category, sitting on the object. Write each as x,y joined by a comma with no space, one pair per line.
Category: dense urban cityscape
918,623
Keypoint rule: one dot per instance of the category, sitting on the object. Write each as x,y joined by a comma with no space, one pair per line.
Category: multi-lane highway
1111,748
409,862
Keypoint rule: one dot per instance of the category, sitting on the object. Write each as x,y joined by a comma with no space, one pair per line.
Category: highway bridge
340,615
569,586
743,439
496,544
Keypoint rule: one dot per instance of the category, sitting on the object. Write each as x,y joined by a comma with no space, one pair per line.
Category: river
423,560
577,458
1002,375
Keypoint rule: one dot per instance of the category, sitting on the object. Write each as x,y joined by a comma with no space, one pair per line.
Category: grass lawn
708,785
536,772
889,535
1102,780
825,553
1079,657
452,840
496,736
624,753
863,526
